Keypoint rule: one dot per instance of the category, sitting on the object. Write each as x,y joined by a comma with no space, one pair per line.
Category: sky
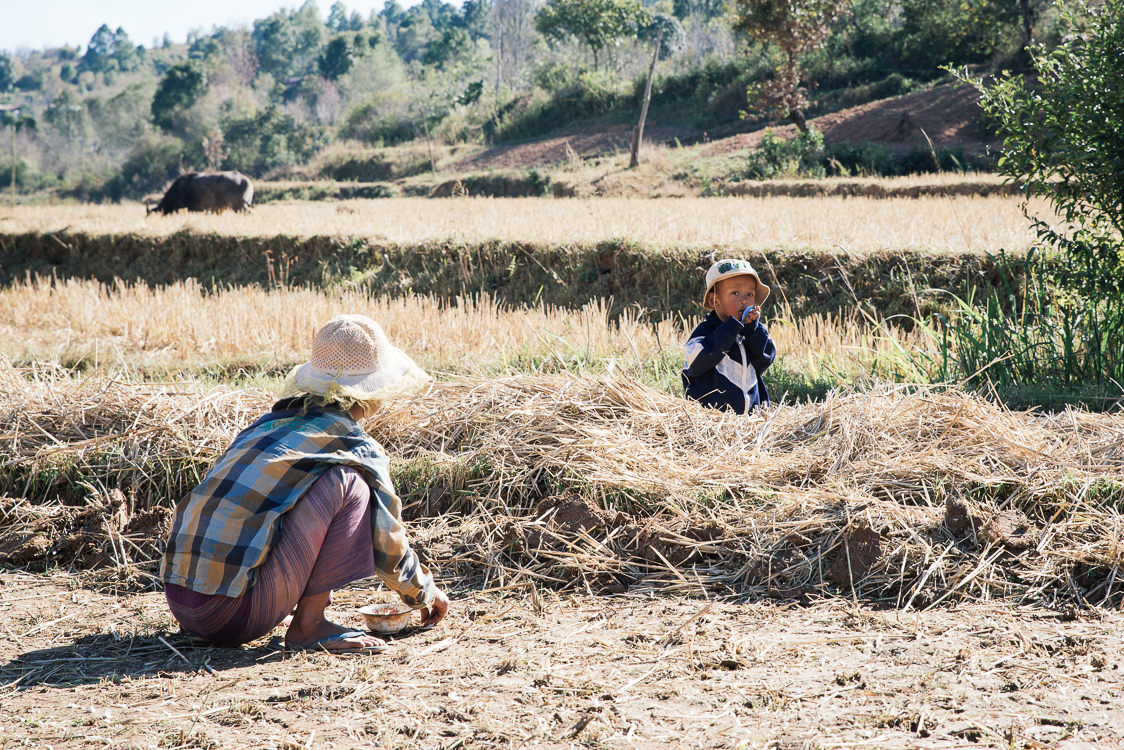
38,24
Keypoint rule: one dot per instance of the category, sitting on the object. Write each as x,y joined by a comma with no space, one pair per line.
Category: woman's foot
308,626
300,638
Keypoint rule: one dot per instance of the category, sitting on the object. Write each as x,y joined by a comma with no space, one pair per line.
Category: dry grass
913,496
186,326
857,224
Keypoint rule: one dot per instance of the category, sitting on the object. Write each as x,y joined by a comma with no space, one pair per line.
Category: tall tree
337,18
597,23
181,87
7,73
311,35
513,27
337,57
99,51
127,55
796,27
275,41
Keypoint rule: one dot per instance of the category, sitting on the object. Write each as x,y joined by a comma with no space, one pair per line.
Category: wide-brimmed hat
351,356
724,269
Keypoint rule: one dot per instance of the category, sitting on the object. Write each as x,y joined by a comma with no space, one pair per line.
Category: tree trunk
499,67
429,144
797,117
1028,22
638,134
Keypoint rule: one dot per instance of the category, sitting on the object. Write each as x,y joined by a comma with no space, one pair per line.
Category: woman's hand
435,613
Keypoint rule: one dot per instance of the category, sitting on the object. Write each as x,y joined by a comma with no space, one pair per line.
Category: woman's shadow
93,658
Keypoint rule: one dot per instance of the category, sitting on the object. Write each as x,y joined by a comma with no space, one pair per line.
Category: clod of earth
861,548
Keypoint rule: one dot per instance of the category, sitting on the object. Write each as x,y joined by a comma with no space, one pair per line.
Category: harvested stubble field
947,574
893,567
887,257
955,224
186,329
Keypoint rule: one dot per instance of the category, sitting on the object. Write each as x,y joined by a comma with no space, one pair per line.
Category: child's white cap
724,269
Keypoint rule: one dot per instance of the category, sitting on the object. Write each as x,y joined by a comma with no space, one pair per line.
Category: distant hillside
116,120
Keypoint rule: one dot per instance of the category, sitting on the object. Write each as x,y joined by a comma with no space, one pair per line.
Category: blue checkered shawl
225,527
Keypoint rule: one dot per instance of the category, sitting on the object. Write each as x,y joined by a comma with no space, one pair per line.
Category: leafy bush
260,141
384,120
153,163
801,156
591,96
877,160
1062,140
27,177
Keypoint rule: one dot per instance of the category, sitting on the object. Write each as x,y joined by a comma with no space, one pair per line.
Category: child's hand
750,314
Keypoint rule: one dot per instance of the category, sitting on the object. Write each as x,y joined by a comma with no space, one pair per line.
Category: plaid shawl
225,527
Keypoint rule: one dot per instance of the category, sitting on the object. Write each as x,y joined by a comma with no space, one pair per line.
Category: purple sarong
325,543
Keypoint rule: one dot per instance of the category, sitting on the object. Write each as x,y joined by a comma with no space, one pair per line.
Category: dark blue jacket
725,362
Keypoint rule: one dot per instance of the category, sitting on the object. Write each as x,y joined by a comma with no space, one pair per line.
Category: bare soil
85,666
948,115
587,142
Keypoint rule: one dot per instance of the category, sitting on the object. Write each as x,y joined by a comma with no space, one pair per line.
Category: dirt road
86,668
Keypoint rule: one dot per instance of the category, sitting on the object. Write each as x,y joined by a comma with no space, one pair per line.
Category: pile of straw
913,495
69,447
908,495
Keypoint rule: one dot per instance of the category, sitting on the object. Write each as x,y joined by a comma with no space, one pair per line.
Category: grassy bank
663,278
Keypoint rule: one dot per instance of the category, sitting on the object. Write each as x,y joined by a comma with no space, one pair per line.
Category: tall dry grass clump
960,224
905,495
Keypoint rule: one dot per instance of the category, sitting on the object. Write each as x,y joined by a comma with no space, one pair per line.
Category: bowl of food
386,618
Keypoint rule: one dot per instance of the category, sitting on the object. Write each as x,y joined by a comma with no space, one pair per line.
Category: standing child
729,350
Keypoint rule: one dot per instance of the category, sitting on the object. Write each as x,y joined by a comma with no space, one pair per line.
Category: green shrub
383,121
259,141
28,179
801,156
153,163
877,160
538,183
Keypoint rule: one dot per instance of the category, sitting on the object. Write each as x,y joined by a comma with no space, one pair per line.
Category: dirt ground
588,142
84,667
948,115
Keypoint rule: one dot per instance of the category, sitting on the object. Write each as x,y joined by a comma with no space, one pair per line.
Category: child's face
733,295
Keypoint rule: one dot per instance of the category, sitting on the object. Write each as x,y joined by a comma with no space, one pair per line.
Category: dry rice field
714,612
185,326
895,566
857,224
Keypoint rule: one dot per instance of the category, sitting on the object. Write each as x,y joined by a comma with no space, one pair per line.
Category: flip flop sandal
319,646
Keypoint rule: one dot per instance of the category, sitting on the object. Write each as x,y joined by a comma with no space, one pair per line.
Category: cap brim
761,285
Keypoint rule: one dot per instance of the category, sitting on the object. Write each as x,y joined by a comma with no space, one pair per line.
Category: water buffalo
207,192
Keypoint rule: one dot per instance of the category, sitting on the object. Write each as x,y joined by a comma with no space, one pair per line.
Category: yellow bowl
386,618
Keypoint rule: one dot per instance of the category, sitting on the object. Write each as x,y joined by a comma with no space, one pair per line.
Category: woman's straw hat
351,356
724,269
